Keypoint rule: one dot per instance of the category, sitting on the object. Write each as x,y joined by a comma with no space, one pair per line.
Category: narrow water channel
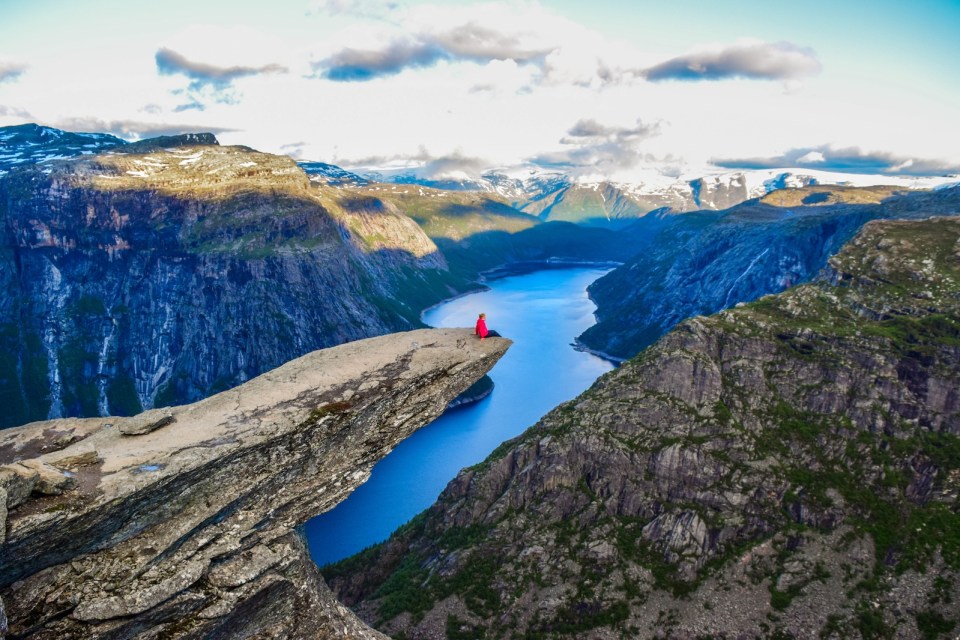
542,312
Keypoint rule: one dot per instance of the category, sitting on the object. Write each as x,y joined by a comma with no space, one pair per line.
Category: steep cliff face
477,232
790,468
184,522
703,262
158,276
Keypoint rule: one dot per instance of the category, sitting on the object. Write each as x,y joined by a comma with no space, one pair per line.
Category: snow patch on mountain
28,144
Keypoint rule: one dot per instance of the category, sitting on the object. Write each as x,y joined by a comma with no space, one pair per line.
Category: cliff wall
184,522
160,275
786,469
699,263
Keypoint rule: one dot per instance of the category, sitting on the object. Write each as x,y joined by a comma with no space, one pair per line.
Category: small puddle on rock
148,468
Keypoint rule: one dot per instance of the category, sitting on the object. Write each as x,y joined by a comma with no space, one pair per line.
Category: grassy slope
863,478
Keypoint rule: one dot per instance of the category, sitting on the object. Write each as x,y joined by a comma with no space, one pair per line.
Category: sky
620,90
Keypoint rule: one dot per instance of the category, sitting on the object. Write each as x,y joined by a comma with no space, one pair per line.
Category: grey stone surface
192,530
146,422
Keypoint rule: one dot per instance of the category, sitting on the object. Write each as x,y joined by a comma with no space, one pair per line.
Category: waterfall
726,303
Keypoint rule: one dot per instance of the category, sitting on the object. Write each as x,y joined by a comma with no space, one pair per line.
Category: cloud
10,70
599,148
295,150
193,105
847,160
170,62
466,42
15,112
356,64
452,167
753,61
811,157
133,129
360,8
591,130
472,41
422,165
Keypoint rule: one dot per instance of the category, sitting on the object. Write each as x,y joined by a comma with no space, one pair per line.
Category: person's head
483,315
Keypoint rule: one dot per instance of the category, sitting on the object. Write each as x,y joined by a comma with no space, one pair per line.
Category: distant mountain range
547,195
557,196
99,317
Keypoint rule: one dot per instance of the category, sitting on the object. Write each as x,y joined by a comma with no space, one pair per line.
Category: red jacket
481,329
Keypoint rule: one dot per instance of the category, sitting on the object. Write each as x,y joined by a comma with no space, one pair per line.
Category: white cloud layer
455,88
751,60
11,70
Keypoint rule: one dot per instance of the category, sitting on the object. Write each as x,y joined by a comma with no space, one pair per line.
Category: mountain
161,274
786,469
163,270
332,175
701,263
557,196
478,232
28,144
186,522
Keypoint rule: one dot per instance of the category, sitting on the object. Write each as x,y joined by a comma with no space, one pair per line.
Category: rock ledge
192,528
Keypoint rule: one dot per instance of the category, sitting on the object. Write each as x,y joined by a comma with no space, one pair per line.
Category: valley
786,468
747,446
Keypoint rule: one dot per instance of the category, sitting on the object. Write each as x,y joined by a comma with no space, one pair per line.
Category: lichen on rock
192,529
788,468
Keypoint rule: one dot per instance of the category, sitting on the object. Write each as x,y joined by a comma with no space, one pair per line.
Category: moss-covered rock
789,468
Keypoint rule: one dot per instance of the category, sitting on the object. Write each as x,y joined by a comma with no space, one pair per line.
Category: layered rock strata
156,275
786,469
702,262
184,523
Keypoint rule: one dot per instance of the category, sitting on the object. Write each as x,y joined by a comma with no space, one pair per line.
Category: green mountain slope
790,468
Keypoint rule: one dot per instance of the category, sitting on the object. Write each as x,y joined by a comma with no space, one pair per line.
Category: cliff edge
184,522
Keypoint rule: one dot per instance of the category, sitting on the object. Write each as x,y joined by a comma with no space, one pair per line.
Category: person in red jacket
481,329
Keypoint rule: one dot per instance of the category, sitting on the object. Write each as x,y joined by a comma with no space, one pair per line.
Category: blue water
542,312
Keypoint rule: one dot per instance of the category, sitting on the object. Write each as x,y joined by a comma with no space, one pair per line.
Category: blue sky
603,89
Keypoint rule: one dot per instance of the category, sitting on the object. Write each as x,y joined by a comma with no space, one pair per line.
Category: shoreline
528,266
480,288
466,399
614,360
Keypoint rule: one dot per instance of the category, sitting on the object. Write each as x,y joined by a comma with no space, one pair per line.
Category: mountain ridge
28,144
122,271
788,468
702,262
589,200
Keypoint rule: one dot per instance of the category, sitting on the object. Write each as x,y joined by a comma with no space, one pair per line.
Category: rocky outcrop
157,275
191,528
788,468
699,263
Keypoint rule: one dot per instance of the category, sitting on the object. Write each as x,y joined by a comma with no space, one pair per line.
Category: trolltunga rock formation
184,522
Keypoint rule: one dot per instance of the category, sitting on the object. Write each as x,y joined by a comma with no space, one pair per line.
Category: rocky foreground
184,522
786,469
